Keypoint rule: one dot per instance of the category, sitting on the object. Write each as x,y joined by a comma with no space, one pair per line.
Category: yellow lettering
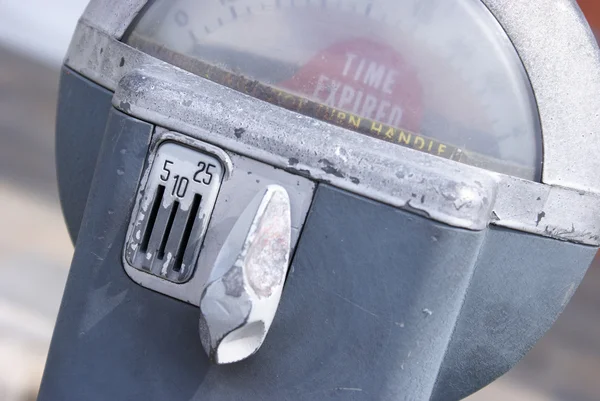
376,127
403,137
288,99
301,103
242,85
441,149
320,113
390,133
341,116
280,96
332,114
419,142
249,88
269,96
430,145
354,120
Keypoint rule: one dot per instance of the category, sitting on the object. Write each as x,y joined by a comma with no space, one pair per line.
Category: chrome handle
239,302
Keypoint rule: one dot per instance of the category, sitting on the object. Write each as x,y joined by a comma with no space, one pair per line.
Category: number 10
180,186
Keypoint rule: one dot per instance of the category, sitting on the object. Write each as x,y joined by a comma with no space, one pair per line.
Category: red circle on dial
365,78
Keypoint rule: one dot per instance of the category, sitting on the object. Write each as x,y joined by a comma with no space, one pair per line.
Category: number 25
204,168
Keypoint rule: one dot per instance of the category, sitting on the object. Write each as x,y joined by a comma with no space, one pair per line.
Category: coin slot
187,232
165,238
160,191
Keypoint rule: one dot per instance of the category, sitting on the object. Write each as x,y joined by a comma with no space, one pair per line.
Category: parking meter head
420,175
437,76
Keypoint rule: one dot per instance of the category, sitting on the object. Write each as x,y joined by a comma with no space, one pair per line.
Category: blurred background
35,252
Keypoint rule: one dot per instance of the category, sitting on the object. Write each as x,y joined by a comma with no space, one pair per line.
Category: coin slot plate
172,216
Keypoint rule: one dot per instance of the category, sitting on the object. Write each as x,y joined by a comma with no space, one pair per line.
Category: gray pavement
34,247
35,254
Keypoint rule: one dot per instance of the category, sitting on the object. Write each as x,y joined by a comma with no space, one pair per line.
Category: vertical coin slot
187,232
165,237
152,218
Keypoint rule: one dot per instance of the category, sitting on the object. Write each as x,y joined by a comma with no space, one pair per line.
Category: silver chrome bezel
562,64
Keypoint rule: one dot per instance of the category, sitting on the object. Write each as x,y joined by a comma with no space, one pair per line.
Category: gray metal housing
429,330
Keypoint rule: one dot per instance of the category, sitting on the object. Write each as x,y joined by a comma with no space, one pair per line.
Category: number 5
209,174
167,170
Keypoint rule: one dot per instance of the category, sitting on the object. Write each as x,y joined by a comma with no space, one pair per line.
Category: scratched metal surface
36,252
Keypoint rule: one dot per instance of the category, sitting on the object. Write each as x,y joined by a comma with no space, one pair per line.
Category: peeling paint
238,132
540,216
165,265
329,168
125,106
301,172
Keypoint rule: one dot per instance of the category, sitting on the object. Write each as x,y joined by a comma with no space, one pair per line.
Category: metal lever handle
240,300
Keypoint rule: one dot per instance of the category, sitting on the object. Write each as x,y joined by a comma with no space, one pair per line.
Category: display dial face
439,76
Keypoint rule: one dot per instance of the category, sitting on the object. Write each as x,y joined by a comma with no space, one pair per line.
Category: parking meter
320,199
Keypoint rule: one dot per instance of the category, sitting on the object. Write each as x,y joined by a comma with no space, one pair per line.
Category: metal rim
569,167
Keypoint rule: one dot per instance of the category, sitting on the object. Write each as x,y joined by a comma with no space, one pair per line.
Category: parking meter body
281,200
